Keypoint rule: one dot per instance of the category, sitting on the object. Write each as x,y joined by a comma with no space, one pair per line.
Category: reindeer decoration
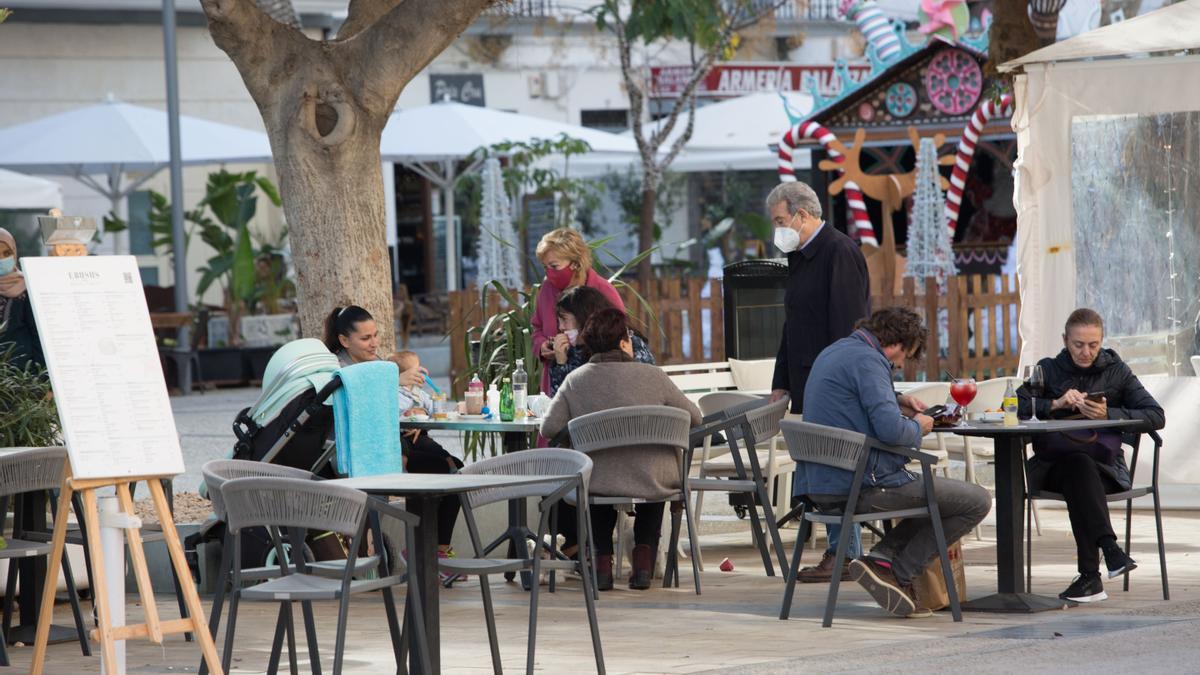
890,190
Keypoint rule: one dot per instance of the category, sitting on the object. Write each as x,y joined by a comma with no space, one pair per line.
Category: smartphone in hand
1096,396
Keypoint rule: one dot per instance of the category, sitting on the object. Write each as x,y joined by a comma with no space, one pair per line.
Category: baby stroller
291,422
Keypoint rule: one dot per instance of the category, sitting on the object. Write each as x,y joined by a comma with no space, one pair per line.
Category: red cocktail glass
962,390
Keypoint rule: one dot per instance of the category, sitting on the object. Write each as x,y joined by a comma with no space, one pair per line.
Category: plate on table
467,416
991,417
415,418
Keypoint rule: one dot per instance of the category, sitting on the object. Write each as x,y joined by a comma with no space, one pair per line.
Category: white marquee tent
19,192
1108,134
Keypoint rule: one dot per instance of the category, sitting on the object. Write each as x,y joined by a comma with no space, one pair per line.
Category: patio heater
754,307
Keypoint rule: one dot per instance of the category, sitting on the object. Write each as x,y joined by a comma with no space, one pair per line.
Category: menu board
103,362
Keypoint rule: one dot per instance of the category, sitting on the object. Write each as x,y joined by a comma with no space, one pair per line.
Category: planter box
223,366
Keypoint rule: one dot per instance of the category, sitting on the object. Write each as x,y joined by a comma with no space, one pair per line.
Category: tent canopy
450,130
113,135
28,193
1171,29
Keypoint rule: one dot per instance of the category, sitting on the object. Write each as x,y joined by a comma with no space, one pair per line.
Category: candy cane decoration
875,27
966,152
864,232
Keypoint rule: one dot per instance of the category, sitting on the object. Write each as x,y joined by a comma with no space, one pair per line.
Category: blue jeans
854,546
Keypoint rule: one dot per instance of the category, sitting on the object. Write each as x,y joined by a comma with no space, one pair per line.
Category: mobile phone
1096,396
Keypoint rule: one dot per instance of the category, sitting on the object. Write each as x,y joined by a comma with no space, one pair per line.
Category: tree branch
250,38
362,13
403,41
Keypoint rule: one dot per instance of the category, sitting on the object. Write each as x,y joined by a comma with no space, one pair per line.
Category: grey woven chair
748,423
1126,496
216,473
576,468
654,429
34,470
300,505
850,450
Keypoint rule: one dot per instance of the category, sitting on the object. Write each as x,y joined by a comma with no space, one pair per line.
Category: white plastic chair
1196,363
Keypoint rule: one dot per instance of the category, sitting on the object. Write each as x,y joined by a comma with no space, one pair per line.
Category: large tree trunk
324,104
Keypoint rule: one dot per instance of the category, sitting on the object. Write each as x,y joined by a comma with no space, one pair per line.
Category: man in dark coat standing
828,290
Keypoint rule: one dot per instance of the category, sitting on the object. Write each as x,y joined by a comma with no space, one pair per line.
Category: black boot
643,567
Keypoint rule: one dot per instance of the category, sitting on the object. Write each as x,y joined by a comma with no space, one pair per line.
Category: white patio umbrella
432,139
23,193
112,138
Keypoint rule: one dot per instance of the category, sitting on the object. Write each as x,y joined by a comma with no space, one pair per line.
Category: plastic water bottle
474,397
520,385
506,401
493,401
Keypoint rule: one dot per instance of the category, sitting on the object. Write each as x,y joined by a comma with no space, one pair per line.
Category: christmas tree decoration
929,244
497,248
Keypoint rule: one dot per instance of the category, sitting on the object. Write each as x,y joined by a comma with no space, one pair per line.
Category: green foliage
231,202
734,224
701,22
4,14
162,240
525,173
627,188
30,418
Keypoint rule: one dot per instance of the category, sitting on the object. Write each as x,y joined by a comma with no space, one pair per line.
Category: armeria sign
729,79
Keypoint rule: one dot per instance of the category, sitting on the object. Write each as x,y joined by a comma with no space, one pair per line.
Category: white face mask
8,265
787,239
572,335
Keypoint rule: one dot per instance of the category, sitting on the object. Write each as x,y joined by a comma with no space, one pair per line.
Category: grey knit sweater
604,384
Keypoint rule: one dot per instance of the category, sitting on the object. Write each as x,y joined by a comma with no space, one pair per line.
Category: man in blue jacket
850,387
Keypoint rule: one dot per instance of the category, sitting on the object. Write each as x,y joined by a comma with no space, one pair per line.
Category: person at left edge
17,328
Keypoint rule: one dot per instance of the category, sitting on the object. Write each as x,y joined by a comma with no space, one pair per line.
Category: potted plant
30,419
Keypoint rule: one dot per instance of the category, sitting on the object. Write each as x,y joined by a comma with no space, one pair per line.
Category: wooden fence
973,335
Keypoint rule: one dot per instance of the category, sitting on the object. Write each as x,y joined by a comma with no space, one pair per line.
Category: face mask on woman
560,278
572,335
8,265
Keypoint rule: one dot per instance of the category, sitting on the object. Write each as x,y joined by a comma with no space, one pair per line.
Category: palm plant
30,418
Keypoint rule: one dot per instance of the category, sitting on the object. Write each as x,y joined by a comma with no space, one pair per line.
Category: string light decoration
496,249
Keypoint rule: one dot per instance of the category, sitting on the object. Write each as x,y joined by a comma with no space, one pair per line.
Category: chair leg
772,529
671,573
1162,549
76,614
389,606
591,544
10,592
214,616
619,551
1037,520
310,636
700,516
77,508
339,645
785,609
760,537
1029,501
533,614
691,525
413,609
281,632
587,573
1128,538
836,579
489,618
947,573
230,629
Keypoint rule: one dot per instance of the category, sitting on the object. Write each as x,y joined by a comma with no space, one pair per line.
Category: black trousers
1077,477
647,524
426,455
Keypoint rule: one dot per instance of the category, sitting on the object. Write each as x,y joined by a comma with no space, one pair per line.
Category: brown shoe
822,572
920,611
883,586
604,572
643,567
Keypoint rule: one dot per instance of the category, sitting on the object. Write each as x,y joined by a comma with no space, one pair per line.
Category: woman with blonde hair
568,262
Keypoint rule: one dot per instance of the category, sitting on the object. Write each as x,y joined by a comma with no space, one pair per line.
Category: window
614,121
140,237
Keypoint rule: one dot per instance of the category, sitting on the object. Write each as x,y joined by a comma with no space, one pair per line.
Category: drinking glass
962,390
1035,381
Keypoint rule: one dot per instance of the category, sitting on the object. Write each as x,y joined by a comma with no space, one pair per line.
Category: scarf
611,356
12,285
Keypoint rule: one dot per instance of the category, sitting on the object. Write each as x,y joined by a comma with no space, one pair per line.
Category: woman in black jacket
17,328
1087,381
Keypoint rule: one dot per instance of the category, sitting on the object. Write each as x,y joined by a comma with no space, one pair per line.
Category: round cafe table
1010,508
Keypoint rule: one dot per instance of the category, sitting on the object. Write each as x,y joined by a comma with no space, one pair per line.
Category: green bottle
506,401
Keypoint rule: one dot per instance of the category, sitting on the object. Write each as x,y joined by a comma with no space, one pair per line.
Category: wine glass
962,390
1035,381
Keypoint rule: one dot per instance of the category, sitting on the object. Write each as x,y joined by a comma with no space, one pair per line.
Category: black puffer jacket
1127,400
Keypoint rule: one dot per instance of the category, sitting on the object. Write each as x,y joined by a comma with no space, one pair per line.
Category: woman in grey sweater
612,379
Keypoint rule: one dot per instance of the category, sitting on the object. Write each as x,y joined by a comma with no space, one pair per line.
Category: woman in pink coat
568,262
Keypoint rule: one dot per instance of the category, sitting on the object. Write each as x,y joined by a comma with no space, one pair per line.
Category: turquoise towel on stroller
366,419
